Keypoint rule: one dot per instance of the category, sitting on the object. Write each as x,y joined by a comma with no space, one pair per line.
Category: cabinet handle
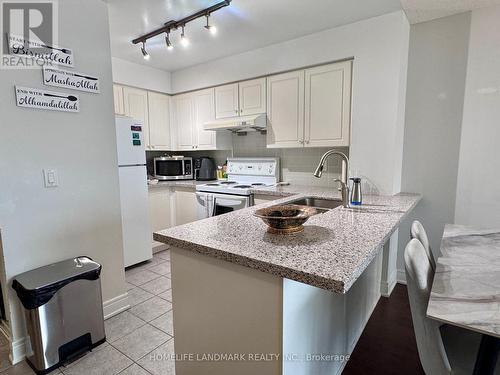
307,142
235,111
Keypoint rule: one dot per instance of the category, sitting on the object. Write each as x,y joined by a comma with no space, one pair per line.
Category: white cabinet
241,99
203,111
160,210
159,121
118,100
191,111
186,210
310,108
285,110
136,106
328,105
226,101
183,119
252,97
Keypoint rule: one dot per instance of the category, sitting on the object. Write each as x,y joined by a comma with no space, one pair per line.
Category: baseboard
115,305
387,286
401,277
18,351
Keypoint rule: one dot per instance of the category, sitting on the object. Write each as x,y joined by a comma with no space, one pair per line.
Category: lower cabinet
185,206
160,210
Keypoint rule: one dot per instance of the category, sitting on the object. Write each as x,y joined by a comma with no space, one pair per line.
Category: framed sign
70,80
18,46
50,100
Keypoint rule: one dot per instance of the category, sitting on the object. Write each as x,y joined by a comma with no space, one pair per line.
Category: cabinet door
186,209
226,101
253,97
118,100
204,110
328,105
160,209
183,113
159,121
285,110
136,106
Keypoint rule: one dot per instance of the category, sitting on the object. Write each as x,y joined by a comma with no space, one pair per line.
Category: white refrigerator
136,225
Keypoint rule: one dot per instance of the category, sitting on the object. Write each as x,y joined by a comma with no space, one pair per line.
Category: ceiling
250,24
426,10
242,26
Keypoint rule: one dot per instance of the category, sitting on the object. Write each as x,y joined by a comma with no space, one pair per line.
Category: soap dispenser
356,196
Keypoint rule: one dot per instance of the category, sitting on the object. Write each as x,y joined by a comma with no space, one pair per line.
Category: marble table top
466,287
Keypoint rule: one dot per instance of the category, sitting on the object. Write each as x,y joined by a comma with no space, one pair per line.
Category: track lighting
168,42
211,28
184,39
145,53
180,24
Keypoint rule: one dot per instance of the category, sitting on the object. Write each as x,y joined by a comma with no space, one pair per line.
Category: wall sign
70,80
21,47
42,99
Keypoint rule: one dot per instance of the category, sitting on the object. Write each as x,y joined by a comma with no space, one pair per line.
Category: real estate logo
29,34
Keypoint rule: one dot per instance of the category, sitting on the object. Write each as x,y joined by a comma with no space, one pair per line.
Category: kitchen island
273,304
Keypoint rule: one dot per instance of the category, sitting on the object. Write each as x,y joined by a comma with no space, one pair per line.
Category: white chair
417,231
443,349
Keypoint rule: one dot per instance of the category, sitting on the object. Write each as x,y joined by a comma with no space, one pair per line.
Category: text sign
49,54
50,100
70,80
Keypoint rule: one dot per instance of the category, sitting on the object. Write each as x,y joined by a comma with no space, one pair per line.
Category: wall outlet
50,178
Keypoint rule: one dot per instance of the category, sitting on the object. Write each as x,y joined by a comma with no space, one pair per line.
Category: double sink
320,204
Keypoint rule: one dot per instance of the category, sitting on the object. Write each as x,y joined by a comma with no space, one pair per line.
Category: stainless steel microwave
173,168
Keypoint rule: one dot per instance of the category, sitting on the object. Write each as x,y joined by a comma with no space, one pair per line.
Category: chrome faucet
344,186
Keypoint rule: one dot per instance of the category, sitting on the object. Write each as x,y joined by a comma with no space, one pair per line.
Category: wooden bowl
285,219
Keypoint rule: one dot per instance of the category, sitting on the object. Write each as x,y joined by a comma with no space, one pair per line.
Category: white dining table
466,288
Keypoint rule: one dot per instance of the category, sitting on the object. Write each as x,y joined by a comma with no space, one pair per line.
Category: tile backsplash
297,164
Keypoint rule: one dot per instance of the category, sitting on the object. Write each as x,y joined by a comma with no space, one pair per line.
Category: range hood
239,124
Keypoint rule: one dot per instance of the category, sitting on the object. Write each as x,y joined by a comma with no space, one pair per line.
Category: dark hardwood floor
387,346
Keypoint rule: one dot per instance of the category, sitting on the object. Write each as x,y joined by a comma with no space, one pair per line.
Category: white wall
380,49
142,76
434,103
82,215
478,191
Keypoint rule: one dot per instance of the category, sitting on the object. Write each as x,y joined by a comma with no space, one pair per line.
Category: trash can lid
55,273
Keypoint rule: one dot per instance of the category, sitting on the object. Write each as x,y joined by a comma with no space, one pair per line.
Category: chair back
417,231
419,276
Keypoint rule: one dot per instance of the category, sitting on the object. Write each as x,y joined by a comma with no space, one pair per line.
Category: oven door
224,203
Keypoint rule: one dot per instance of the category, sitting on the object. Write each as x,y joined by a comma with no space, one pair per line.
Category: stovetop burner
242,186
227,182
258,184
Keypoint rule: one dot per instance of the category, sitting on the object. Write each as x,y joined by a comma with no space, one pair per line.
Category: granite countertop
331,253
467,280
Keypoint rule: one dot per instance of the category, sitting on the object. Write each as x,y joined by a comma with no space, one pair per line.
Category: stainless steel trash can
63,309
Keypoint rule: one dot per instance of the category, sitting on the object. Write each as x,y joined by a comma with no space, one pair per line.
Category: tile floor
140,341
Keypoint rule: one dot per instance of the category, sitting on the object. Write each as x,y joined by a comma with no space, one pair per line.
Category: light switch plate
50,178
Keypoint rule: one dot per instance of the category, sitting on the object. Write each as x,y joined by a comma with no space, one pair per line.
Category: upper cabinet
226,101
159,121
285,110
190,112
240,99
311,107
136,106
118,100
152,109
328,105
183,120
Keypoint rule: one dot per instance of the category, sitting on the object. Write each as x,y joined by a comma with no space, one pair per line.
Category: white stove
244,174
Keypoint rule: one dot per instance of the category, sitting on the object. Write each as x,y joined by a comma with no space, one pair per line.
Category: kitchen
225,110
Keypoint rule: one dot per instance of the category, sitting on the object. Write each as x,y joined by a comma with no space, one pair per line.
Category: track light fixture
184,39
211,28
180,24
145,53
168,42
